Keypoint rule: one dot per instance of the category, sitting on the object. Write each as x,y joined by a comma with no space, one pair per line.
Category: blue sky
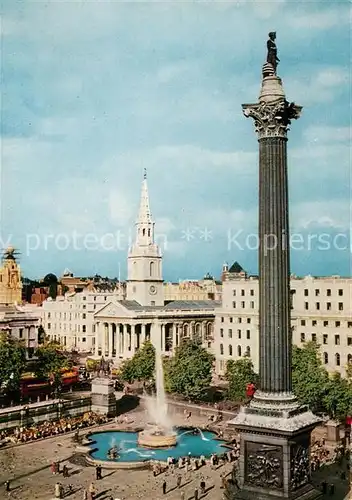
93,92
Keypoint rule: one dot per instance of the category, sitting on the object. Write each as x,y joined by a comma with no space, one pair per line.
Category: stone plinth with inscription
103,397
274,429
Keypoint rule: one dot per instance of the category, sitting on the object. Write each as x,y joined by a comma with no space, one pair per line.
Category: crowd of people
48,429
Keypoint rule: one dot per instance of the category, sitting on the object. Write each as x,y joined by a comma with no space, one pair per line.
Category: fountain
159,433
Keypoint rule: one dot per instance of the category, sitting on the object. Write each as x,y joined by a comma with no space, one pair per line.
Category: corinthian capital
272,119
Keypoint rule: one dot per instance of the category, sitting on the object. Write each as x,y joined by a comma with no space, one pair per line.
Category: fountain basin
156,439
134,456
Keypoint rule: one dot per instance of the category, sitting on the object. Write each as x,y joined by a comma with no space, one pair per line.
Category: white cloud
322,86
334,214
321,20
326,134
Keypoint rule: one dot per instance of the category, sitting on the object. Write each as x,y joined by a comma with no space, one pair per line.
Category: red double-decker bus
31,386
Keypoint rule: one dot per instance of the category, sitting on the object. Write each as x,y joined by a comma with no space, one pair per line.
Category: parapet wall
25,416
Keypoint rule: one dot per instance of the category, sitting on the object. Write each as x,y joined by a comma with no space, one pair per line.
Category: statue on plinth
272,51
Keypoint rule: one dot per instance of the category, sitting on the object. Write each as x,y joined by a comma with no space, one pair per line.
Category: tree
309,377
12,362
51,281
141,366
338,397
189,372
239,373
50,362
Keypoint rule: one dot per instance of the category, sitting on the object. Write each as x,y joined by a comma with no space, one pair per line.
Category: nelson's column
274,429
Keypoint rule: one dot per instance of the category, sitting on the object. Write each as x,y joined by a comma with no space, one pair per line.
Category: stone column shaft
274,296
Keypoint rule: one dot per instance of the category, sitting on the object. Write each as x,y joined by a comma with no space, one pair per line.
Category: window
325,323
152,303
349,341
239,333
234,293
84,307
48,315
317,292
328,306
337,359
305,292
337,339
221,349
95,298
306,305
242,293
252,304
83,339
230,350
83,328
248,320
349,324
314,322
303,337
151,268
303,322
84,316
93,328
230,333
252,293
328,292
349,358
340,306
49,326
239,350
243,304
240,320
314,337
248,351
325,339
221,332
340,292
317,306
222,319
248,334
231,320
21,333
234,305
337,323
326,358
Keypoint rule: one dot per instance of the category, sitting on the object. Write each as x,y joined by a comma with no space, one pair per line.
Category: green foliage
309,377
50,361
141,366
53,290
12,362
239,373
188,372
338,397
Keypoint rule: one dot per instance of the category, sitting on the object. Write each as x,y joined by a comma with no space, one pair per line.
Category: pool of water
204,443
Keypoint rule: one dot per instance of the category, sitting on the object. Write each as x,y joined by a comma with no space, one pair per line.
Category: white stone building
21,325
122,326
321,311
69,319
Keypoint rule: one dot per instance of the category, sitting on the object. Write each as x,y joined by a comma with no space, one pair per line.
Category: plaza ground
28,468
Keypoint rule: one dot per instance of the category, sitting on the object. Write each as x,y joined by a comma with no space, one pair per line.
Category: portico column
143,332
110,340
133,339
162,339
102,333
125,340
96,345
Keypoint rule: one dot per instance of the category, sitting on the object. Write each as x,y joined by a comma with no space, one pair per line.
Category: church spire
144,215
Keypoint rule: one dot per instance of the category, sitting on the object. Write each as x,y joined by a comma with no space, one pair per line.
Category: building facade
206,289
321,312
20,324
70,320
